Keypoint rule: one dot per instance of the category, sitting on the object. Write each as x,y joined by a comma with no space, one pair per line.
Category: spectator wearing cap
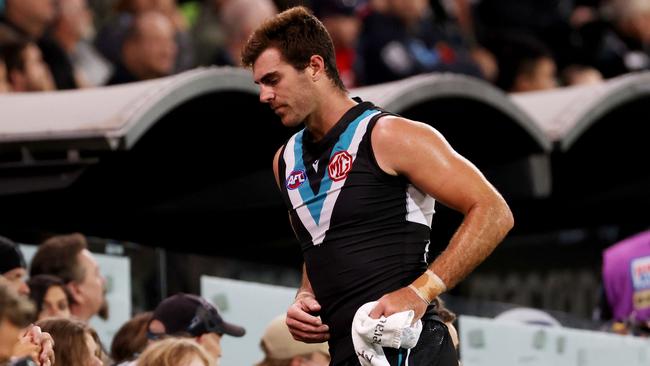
18,339
12,266
342,23
67,257
187,315
16,312
280,349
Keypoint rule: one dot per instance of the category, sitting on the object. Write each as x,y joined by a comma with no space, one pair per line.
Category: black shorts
434,348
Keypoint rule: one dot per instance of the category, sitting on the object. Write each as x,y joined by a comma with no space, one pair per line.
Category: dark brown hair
131,338
70,340
298,35
57,256
38,286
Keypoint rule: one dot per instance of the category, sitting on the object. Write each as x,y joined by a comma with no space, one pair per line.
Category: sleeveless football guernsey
363,232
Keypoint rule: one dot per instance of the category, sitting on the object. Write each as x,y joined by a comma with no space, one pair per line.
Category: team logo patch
340,165
296,179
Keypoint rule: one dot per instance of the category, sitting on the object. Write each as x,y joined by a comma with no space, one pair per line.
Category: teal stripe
315,202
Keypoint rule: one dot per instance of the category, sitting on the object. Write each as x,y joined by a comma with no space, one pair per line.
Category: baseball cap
280,345
10,256
187,313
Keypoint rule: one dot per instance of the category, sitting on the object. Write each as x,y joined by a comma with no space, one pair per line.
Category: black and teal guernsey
363,232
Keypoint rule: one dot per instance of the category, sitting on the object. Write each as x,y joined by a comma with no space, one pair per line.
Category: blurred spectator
149,50
76,343
50,296
131,339
191,316
4,82
447,317
175,352
342,23
72,25
26,19
112,37
406,40
239,18
67,257
525,64
280,349
581,75
12,266
26,70
16,313
208,34
619,42
626,279
547,21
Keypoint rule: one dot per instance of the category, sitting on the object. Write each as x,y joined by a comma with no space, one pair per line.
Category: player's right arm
303,324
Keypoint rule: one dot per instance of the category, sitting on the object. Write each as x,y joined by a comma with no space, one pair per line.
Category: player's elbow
506,220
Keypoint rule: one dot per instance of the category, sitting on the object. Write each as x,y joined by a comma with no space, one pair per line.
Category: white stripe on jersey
318,231
419,206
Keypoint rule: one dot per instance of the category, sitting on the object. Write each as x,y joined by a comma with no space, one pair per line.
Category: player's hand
303,325
397,301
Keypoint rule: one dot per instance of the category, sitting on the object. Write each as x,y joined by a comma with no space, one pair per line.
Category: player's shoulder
391,127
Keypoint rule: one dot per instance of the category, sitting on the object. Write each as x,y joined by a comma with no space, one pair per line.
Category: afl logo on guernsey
340,165
296,179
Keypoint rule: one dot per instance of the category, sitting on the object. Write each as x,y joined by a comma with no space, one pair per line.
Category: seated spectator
50,296
26,70
239,18
131,339
581,75
76,343
280,349
149,50
67,257
525,64
12,266
175,352
72,25
26,20
186,315
447,317
4,83
112,36
342,23
623,43
626,279
16,313
406,40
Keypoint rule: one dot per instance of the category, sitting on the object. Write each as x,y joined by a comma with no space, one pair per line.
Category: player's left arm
420,153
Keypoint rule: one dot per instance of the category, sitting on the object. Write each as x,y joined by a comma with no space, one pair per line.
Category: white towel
370,335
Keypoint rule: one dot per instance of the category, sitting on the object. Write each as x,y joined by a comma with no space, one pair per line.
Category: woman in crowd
50,296
174,352
76,344
131,339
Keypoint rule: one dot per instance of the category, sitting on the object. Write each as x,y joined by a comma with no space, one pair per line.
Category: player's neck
331,108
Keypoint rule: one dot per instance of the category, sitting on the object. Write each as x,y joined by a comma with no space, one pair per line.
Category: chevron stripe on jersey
315,210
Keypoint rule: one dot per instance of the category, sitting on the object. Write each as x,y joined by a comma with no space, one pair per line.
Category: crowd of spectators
518,45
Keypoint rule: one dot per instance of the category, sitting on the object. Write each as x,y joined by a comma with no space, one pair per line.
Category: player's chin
289,121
